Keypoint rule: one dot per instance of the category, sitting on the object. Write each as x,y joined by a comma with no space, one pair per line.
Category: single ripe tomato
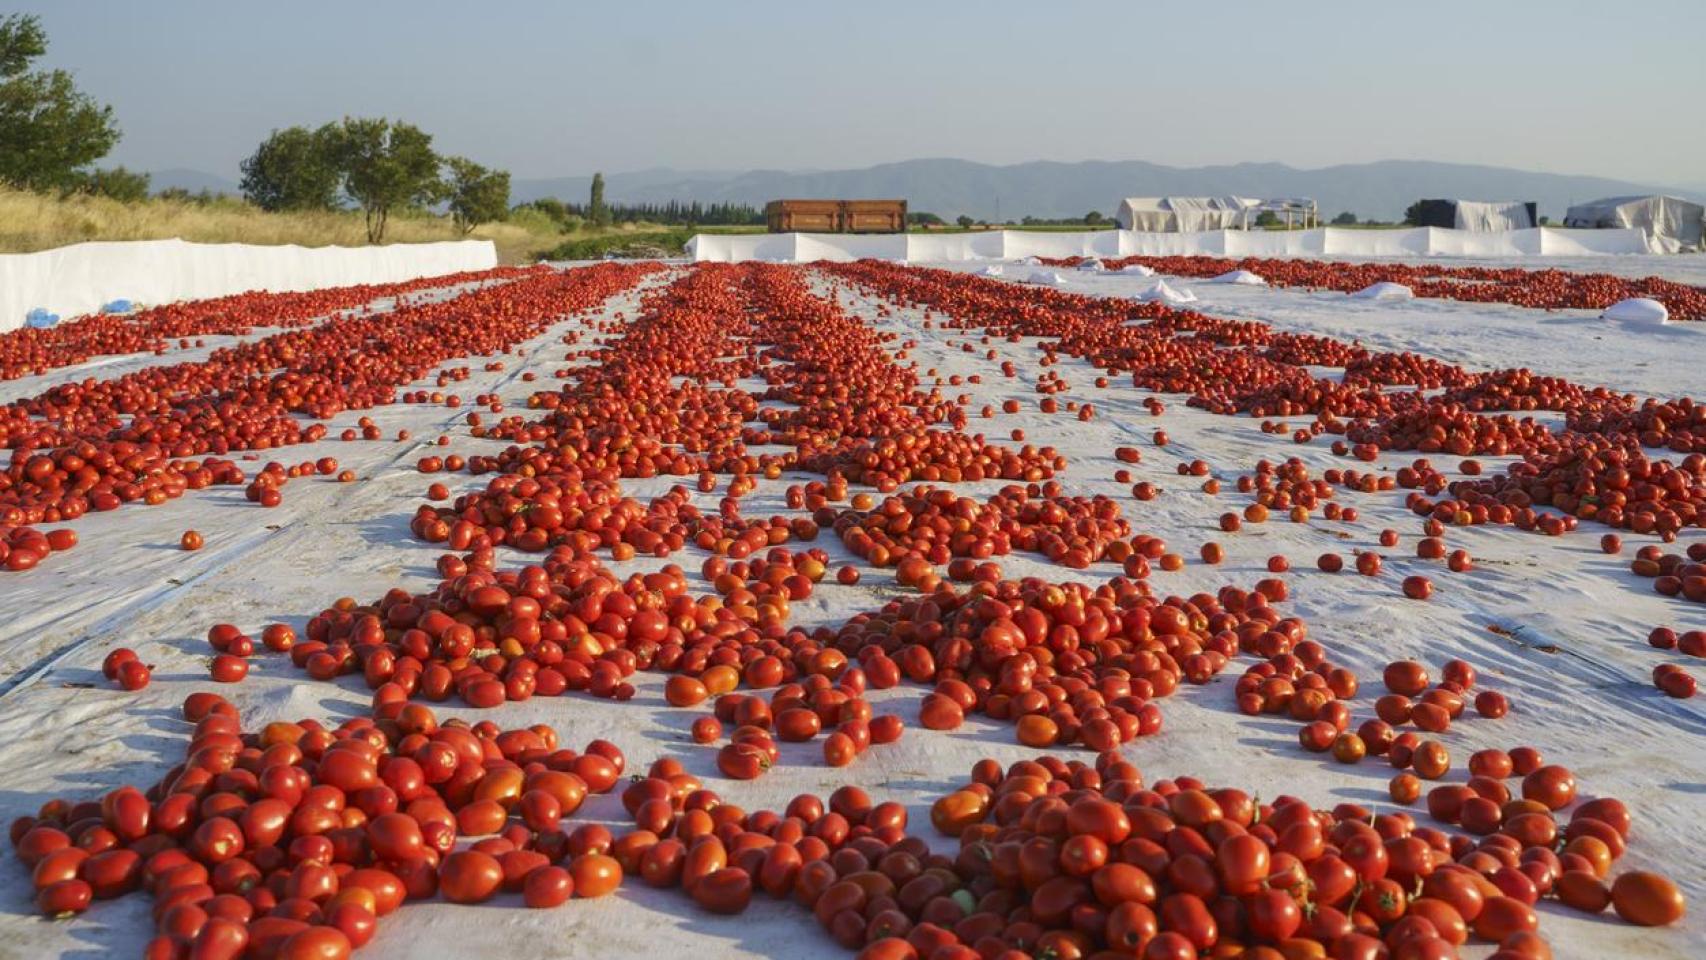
595,874
469,876
546,887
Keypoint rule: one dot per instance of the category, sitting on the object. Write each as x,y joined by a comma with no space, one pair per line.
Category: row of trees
380,166
672,213
50,132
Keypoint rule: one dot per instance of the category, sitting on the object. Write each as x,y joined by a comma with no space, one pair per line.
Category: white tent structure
1185,214
1488,217
1197,214
1671,222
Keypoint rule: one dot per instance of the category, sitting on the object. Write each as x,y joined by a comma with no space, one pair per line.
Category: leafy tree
1545,220
294,169
48,128
477,195
1267,218
1413,214
117,183
965,222
386,166
924,219
596,208
1094,219
1345,219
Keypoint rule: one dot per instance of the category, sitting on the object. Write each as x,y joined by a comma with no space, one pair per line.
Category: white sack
1242,278
1640,311
1384,291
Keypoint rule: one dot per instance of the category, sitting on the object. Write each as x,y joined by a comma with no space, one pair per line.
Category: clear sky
547,89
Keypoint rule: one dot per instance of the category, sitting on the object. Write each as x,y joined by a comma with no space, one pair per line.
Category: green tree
1094,218
117,183
596,207
1413,213
477,195
48,128
294,169
1267,218
1345,219
965,222
386,167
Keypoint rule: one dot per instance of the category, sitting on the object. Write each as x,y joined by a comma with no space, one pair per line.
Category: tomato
727,890
469,876
356,922
395,836
226,668
64,898
1242,864
1186,914
1274,915
1647,899
839,749
1131,926
595,875
316,943
547,886
1503,916
1551,785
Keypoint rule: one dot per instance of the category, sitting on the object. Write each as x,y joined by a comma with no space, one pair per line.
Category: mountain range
949,188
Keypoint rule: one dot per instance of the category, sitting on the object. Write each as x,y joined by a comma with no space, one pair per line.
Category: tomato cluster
293,840
30,351
150,435
1546,289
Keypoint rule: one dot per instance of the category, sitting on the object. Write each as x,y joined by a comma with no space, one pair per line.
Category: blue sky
547,89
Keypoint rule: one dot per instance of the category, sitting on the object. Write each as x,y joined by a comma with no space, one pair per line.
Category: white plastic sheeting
1111,244
1384,291
1185,214
1486,217
1243,278
1674,224
1640,311
1165,292
76,280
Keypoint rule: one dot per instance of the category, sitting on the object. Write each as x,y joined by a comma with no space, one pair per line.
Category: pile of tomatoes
1539,289
293,840
30,351
149,435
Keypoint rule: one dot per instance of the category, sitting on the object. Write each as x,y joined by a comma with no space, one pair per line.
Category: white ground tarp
1486,217
1673,223
1111,244
77,280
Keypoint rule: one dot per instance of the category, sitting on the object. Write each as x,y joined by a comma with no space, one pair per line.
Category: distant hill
195,181
949,188
617,186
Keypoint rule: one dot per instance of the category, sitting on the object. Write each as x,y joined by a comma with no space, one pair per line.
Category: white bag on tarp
993,270
1641,311
1384,290
1137,270
1046,278
1242,278
1165,292
1091,265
